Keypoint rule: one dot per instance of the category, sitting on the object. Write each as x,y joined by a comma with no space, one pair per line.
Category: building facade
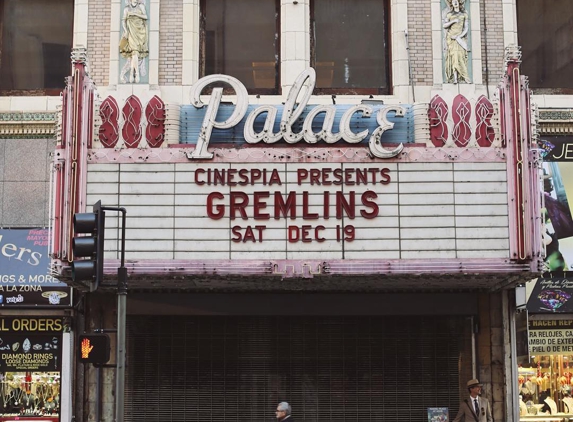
345,276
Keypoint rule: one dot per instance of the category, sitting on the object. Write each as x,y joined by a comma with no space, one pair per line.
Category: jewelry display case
30,396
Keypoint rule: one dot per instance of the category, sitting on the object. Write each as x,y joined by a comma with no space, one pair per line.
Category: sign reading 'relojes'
551,337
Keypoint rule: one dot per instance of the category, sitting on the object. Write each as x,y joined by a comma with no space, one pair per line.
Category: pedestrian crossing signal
93,348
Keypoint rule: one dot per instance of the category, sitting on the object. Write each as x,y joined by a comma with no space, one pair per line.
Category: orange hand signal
86,348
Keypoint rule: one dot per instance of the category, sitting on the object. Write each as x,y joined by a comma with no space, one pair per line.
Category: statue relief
133,45
456,48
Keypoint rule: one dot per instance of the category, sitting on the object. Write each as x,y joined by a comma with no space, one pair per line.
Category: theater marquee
232,185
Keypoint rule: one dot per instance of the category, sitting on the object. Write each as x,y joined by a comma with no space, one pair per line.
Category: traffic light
93,348
88,247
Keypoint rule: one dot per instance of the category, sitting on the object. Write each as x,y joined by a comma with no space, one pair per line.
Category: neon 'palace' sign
291,112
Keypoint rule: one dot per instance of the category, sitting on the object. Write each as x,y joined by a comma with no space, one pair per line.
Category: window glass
545,31
33,395
240,39
350,48
36,44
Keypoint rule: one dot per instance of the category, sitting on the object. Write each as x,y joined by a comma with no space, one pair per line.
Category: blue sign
192,118
25,276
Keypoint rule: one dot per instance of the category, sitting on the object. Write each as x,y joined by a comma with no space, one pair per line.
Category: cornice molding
556,121
26,125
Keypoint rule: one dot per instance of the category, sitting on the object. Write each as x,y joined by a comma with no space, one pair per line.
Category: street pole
121,317
121,320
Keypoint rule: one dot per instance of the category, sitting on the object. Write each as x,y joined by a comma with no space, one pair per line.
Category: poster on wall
438,414
25,276
558,218
553,293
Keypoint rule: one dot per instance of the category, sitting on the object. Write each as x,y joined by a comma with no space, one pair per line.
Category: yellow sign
41,324
551,342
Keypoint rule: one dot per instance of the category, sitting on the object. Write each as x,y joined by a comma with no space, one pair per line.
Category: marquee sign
329,193
291,113
239,189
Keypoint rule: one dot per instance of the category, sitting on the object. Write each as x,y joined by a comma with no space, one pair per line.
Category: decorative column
190,69
295,40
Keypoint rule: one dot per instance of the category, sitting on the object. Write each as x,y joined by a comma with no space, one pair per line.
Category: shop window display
34,395
545,385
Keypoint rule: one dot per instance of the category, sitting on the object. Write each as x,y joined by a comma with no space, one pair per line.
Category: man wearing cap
474,408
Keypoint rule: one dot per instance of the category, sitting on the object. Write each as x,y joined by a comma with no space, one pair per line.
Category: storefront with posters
355,260
35,318
545,375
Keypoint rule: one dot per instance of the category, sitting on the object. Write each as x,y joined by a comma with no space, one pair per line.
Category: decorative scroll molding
492,270
555,121
108,132
26,125
463,123
136,124
317,155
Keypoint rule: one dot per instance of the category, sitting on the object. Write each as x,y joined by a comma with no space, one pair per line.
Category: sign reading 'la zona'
25,276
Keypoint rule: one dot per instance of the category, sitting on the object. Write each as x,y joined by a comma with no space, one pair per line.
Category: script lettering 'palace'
291,112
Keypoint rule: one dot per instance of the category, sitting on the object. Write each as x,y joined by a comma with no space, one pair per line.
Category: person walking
283,412
474,408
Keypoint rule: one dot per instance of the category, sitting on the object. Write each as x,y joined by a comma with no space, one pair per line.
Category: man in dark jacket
283,412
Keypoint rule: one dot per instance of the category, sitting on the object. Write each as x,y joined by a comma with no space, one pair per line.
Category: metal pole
98,393
121,318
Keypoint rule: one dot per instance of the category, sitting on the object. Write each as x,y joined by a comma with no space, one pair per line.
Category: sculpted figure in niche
133,44
456,42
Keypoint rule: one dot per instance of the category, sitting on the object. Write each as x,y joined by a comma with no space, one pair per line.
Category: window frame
202,52
38,92
388,52
568,90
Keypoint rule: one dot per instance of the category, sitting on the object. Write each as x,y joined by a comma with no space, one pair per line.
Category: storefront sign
557,149
10,324
25,276
553,294
30,343
27,352
550,337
